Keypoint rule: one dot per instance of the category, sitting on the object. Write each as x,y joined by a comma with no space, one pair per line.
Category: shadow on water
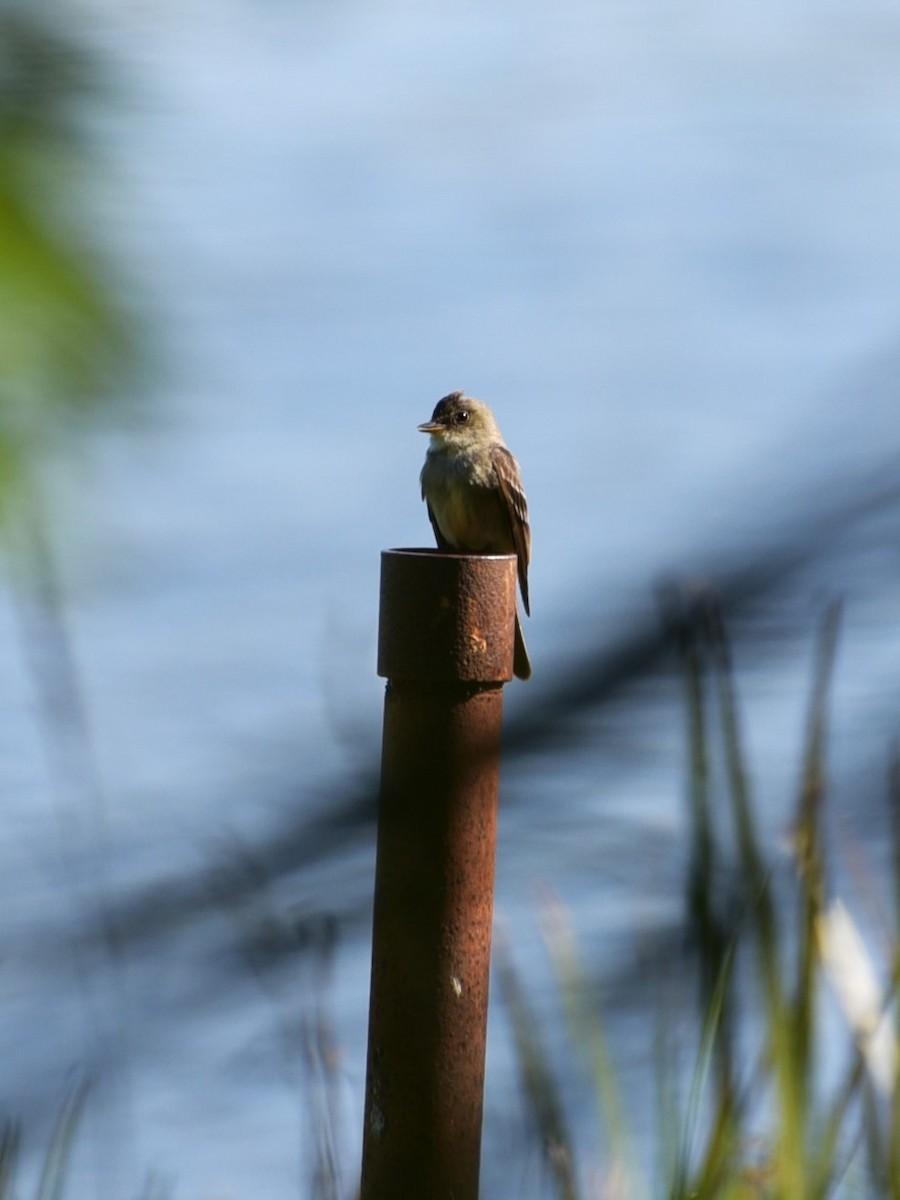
551,719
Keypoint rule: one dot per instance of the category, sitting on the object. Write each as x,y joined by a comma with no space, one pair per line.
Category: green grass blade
53,1176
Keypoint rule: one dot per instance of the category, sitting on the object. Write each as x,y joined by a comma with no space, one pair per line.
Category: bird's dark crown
448,407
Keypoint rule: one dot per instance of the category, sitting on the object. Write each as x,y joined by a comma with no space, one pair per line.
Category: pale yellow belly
473,519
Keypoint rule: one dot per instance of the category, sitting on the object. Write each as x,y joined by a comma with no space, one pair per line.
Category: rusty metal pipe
446,648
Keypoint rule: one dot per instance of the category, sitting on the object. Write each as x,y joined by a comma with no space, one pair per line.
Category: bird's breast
467,506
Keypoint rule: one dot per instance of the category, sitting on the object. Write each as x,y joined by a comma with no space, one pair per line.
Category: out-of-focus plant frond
66,341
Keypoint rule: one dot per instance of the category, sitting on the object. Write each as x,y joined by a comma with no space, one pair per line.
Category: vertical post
446,648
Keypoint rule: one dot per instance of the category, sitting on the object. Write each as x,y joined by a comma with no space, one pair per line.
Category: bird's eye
462,417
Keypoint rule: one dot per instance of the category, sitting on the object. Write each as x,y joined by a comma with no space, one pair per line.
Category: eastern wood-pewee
473,489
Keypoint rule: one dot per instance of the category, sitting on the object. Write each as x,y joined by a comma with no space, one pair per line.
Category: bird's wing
442,543
517,508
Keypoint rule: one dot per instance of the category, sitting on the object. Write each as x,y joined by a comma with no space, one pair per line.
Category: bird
472,486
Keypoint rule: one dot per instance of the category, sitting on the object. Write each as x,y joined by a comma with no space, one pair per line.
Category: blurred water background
662,241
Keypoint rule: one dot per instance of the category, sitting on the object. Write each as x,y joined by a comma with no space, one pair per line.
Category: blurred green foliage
759,1097
66,340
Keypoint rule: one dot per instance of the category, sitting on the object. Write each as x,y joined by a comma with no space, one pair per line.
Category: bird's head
458,422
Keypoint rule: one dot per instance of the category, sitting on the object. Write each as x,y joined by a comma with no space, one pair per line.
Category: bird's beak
431,427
